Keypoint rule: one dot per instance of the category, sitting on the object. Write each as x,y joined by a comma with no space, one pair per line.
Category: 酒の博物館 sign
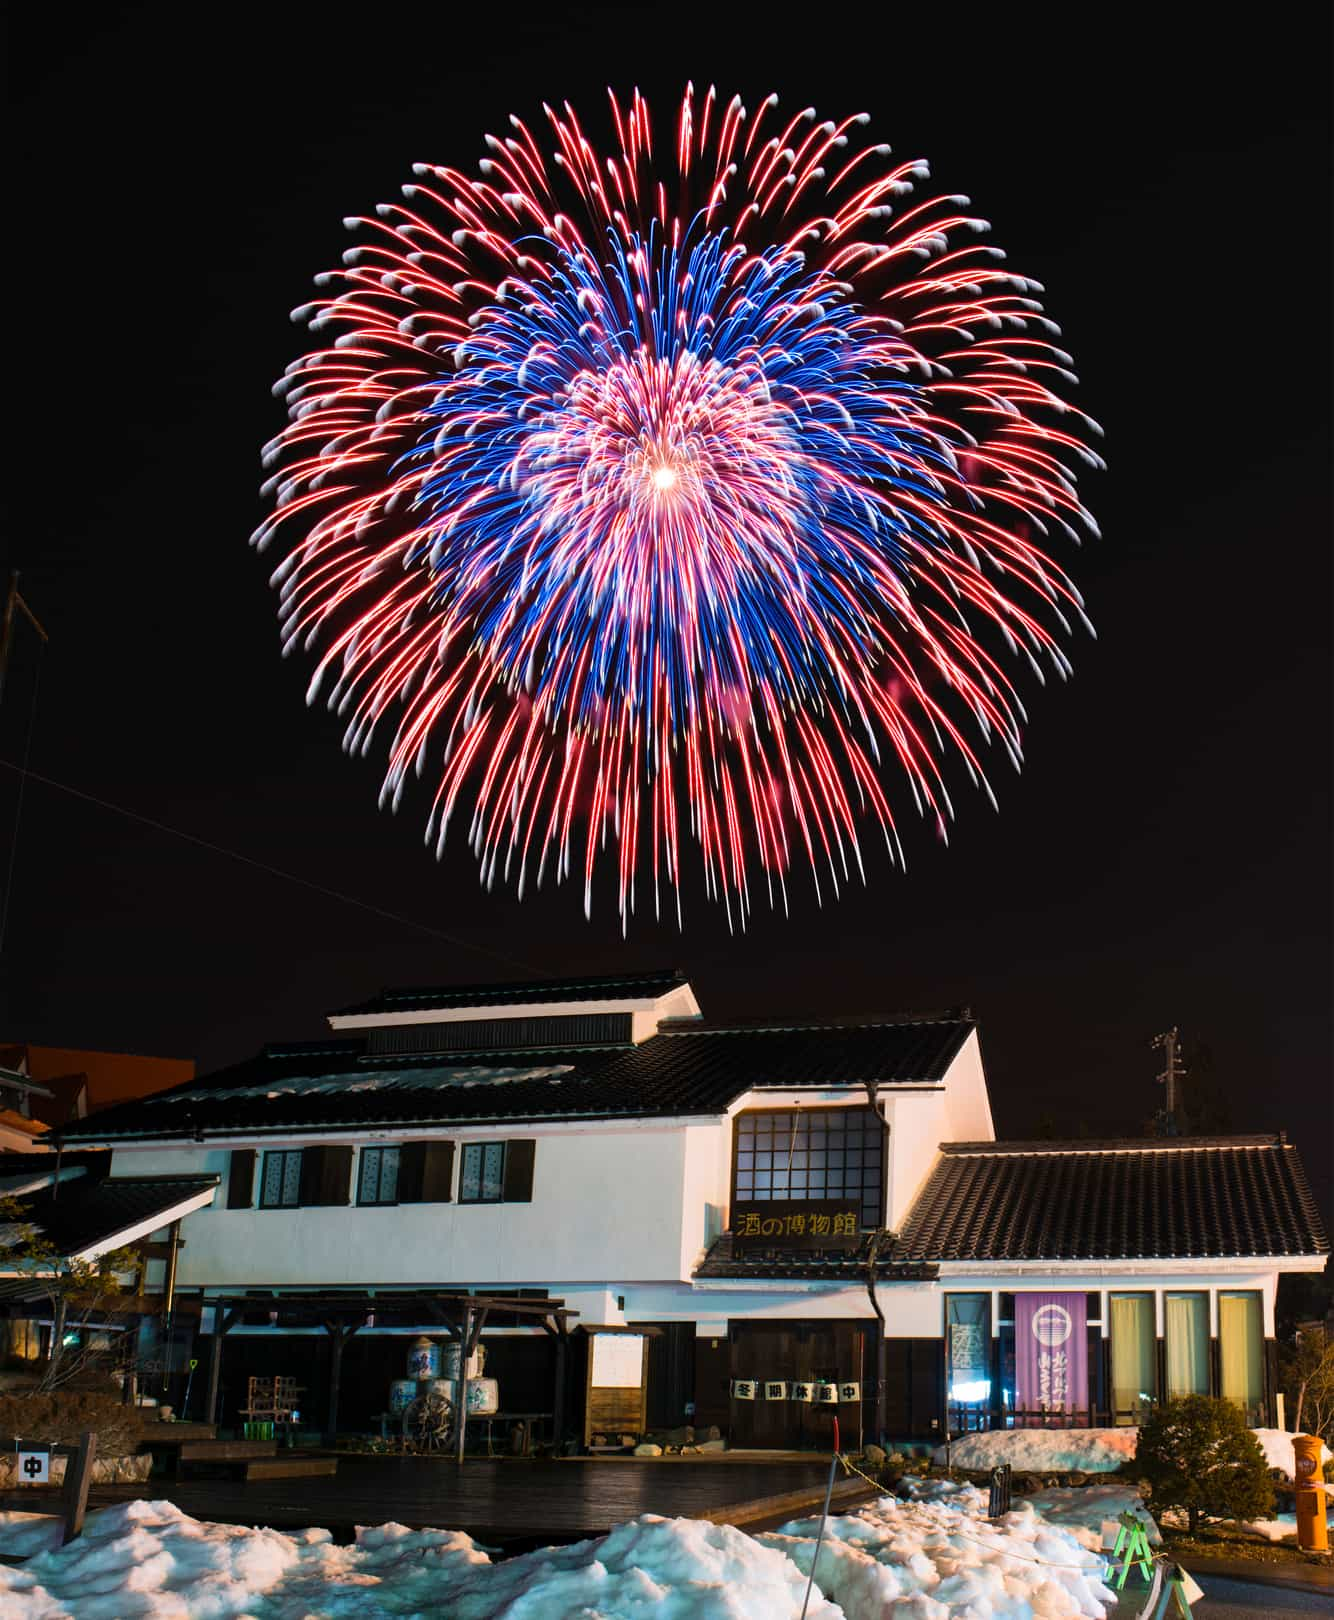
817,1224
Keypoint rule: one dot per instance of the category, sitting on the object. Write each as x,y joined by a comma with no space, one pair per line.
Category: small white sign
618,1360
35,1466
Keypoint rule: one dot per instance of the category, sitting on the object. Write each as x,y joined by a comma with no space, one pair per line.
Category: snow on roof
414,1079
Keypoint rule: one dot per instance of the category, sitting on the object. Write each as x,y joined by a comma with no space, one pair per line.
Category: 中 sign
35,1465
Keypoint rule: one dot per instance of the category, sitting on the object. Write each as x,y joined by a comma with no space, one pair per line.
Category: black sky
1165,856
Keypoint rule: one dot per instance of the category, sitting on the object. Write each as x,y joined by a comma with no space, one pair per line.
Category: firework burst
682,500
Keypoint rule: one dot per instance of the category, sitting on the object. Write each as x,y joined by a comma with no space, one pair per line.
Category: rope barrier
1044,1563
1176,1594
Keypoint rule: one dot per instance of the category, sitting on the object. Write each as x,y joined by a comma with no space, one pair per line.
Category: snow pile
148,1559
1277,1447
22,1534
1044,1451
1084,1509
1092,1451
933,1559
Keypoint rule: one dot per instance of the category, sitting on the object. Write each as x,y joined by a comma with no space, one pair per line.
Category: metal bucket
483,1397
402,1393
424,1358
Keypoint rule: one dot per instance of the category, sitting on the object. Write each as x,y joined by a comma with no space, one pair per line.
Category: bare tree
83,1295
1308,1381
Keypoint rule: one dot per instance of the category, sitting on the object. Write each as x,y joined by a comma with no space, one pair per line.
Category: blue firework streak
674,467
641,522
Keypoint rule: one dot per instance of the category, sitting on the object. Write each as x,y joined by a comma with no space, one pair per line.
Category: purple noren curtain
1050,1352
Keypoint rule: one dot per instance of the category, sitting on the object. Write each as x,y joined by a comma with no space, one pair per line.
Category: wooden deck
507,1503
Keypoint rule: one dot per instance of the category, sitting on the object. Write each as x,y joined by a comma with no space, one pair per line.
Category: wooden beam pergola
342,1313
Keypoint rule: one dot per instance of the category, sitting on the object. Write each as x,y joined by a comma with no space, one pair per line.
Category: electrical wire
249,860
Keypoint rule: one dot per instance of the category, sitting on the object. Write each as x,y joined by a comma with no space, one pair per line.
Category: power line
263,866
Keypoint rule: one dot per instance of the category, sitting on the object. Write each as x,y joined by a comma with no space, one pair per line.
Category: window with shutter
497,1172
280,1182
377,1175
519,1158
241,1179
425,1172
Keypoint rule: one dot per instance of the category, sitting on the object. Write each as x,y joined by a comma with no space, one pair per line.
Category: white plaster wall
917,1126
967,1105
607,1204
707,1171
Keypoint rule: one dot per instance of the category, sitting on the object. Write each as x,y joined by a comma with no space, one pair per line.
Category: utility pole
14,603
1169,1042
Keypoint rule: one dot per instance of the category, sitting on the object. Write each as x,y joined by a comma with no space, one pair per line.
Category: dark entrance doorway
797,1352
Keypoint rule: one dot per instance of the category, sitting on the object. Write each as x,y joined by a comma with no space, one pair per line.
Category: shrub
1197,1453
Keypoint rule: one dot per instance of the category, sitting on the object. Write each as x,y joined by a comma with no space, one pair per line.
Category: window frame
1128,1416
1255,1298
1202,1295
870,1135
481,1147
381,1148
284,1154
984,1401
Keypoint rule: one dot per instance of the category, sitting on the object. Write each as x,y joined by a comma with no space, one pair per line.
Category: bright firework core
641,529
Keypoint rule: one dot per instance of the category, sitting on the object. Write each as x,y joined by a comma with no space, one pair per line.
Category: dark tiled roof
1186,1198
686,1068
617,987
830,1265
98,1212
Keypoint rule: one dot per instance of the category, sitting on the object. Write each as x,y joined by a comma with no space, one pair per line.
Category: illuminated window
968,1347
1134,1357
1241,1351
807,1155
1186,1329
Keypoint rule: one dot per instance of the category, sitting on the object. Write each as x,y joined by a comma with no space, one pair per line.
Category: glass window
1186,1329
280,1186
378,1179
802,1156
968,1347
1241,1351
1134,1356
482,1176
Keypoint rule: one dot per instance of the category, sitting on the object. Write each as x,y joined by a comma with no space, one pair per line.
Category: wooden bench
258,1459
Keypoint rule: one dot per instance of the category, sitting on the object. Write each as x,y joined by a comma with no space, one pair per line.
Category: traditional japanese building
795,1216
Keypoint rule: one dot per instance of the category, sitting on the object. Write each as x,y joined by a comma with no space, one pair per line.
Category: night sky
1165,856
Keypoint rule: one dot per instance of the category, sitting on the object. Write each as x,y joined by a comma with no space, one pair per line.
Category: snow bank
938,1556
1082,1510
1277,1447
1043,1451
1092,1451
148,1559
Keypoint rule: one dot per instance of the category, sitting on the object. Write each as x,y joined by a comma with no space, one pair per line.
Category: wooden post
337,1333
221,1323
461,1385
169,1301
78,1477
562,1377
